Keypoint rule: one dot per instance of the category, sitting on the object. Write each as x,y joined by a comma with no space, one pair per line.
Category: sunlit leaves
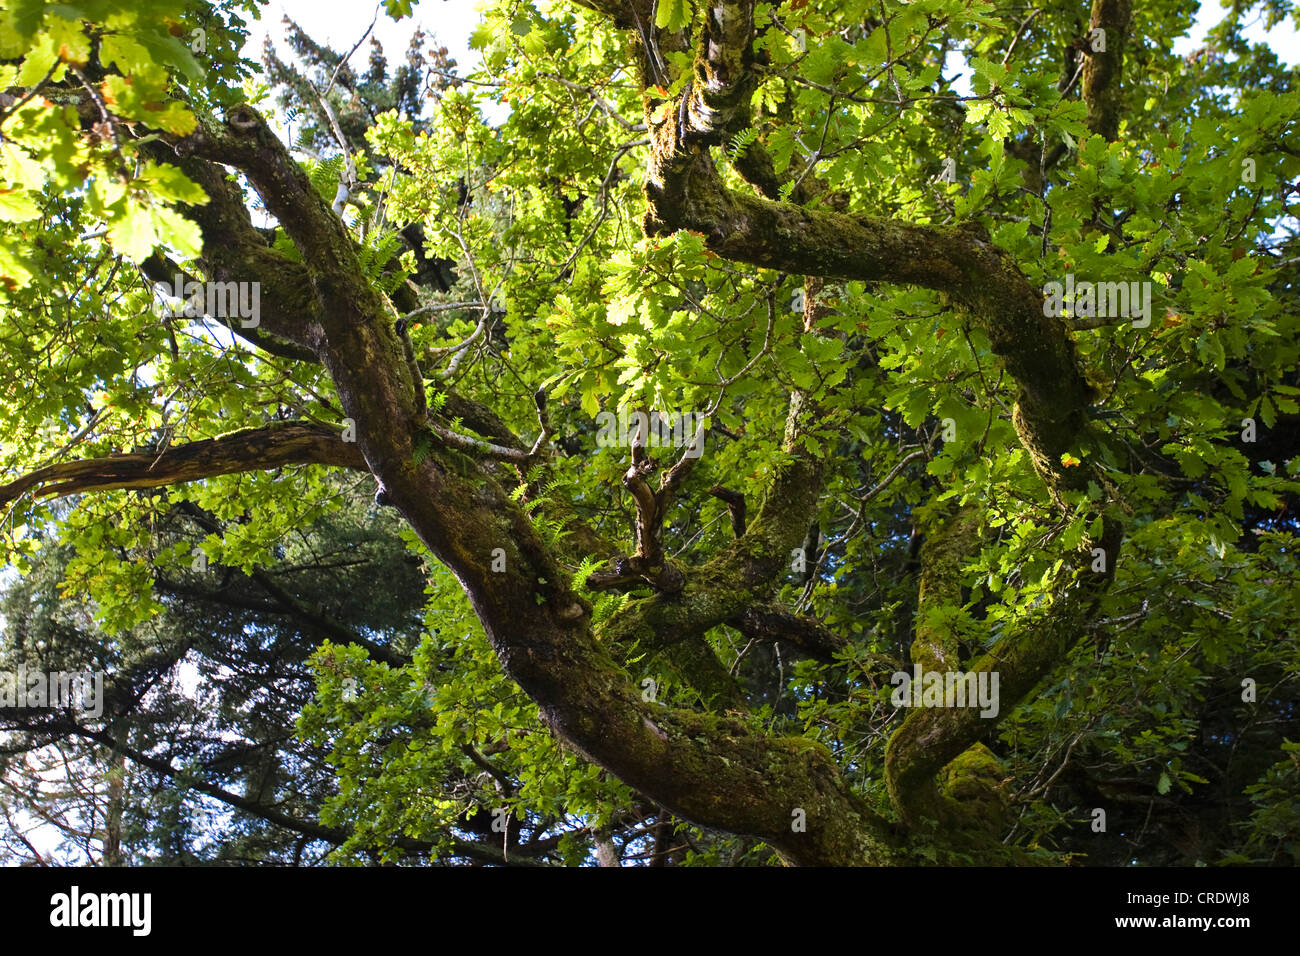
531,182
672,14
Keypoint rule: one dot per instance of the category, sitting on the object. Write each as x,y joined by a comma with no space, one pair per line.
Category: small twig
123,171
1096,322
599,100
375,19
441,307
907,460
478,446
30,93
1020,33
543,419
603,193
678,472
1074,79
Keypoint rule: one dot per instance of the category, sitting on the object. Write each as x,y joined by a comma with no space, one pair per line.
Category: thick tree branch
252,449
723,81
931,737
160,269
960,261
234,251
1051,416
773,623
735,502
746,571
743,781
1103,69
946,547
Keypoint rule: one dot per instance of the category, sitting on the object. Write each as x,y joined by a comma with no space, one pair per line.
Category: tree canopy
586,456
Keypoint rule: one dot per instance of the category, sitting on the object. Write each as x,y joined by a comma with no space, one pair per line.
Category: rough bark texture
706,768
1102,70
931,737
702,766
252,449
946,547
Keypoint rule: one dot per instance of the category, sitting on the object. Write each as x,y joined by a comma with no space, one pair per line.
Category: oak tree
992,377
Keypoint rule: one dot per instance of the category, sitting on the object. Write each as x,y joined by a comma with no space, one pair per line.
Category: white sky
340,24
1282,38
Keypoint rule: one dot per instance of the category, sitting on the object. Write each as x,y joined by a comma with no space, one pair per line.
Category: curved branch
271,307
956,260
685,191
930,738
716,771
772,623
252,449
234,251
735,502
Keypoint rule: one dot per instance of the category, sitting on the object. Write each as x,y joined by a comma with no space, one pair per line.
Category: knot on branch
244,119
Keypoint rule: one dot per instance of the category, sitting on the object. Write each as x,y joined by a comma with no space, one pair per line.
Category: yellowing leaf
13,272
17,205
177,231
18,167
133,234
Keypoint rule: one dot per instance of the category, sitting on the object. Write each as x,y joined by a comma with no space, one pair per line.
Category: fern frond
741,142
589,564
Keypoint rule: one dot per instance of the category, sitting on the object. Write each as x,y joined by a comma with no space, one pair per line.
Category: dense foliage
385,568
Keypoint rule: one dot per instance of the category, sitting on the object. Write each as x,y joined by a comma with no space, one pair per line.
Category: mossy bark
713,770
